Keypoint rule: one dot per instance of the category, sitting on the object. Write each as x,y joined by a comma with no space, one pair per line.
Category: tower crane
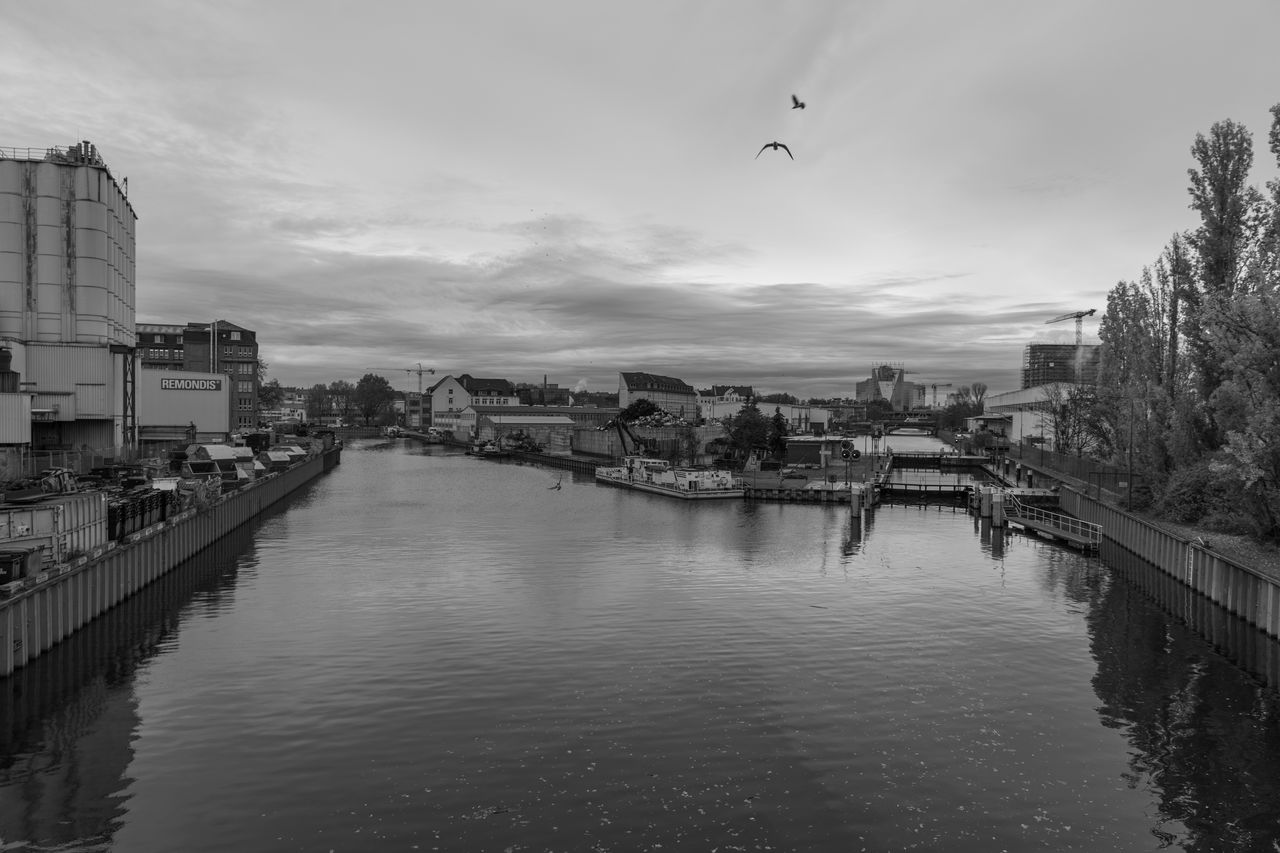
419,370
1078,316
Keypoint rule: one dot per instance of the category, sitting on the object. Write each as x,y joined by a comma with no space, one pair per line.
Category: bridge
892,422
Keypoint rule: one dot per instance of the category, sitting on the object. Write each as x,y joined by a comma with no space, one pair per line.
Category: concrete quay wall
1245,592
67,597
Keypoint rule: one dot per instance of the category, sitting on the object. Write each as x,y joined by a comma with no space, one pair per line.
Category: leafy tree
748,430
1246,332
638,409
342,398
777,398
270,395
1222,196
317,403
879,409
372,396
1228,214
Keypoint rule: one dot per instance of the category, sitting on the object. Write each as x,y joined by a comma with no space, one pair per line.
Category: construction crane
935,386
420,370
1078,316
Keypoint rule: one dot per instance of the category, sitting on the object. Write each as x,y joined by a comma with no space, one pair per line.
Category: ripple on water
434,651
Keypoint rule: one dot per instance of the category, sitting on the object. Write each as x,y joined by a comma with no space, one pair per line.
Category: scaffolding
1047,364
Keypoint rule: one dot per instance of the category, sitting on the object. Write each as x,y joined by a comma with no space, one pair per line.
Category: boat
656,476
488,450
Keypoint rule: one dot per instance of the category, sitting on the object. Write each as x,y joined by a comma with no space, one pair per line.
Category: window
245,367
227,352
244,404
235,336
244,387
179,340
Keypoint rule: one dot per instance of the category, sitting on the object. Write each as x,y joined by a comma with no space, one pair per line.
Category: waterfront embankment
64,598
1247,589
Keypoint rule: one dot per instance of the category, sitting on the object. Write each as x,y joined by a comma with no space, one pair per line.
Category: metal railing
1088,531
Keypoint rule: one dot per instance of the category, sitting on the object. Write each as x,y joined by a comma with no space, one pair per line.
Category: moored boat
656,476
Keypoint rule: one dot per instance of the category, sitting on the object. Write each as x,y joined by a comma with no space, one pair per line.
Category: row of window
159,339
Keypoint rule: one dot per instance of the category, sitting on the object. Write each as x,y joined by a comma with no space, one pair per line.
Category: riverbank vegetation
1189,372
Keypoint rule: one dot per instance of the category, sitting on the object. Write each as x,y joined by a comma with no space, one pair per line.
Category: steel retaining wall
34,620
1239,589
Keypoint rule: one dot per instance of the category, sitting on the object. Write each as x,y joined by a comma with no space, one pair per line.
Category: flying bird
796,103
775,146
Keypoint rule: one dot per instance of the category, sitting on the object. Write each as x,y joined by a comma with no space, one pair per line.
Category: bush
1199,495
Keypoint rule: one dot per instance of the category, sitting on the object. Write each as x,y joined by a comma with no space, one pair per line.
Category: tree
777,398
978,390
342,398
1246,331
638,409
688,443
318,402
778,434
878,409
1227,206
748,430
270,395
372,396
1068,414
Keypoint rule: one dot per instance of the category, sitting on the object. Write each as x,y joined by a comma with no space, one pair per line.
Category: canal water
429,651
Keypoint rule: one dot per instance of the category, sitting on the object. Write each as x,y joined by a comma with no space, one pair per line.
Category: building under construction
1045,364
887,382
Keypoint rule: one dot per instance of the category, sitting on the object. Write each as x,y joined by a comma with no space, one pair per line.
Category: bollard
855,497
984,509
997,508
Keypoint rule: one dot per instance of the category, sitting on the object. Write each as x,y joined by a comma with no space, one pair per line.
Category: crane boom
1079,318
419,370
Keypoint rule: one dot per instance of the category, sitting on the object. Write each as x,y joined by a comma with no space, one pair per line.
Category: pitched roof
740,390
653,382
475,384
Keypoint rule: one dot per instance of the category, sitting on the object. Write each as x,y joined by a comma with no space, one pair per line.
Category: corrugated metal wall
15,419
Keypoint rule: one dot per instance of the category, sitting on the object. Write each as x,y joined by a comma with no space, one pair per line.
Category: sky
566,190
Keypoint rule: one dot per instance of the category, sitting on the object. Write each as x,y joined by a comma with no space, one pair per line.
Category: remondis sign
191,384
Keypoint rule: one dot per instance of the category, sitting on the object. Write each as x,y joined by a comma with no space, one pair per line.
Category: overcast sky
571,189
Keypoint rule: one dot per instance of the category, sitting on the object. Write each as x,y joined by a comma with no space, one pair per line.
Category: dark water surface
426,651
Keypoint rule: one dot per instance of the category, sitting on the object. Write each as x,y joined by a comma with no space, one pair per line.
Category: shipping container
66,525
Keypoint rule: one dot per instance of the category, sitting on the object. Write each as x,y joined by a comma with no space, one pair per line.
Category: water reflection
436,652
1204,740
68,718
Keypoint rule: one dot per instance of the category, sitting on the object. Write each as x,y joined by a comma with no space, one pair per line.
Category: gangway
1084,535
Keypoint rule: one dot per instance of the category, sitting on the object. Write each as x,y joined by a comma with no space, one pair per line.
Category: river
429,651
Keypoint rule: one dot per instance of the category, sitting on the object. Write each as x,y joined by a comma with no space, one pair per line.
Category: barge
656,476
81,575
